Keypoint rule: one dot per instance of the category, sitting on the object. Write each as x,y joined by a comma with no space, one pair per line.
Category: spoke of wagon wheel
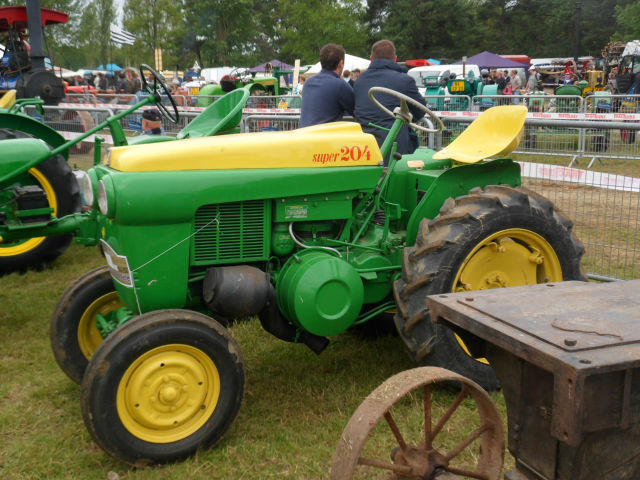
447,415
396,431
467,441
371,462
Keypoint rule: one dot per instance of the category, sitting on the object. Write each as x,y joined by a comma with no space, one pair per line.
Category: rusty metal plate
572,316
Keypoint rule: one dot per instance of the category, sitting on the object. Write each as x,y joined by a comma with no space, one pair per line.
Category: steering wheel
242,73
158,92
402,112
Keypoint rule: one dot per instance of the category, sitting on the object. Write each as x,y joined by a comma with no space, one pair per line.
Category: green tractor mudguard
14,121
14,151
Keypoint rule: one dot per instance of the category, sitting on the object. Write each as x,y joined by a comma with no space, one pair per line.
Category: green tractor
306,230
52,185
244,78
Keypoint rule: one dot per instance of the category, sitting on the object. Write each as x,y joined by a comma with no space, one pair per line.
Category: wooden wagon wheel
423,459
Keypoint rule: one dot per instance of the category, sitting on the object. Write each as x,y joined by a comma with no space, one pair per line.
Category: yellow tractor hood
338,144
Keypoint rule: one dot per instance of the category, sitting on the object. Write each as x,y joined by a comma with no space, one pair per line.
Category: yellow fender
8,99
495,133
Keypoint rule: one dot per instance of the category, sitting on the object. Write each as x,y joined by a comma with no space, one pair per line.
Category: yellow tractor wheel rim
32,243
508,258
89,338
168,393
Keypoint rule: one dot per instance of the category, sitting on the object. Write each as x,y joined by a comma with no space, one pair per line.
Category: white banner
583,177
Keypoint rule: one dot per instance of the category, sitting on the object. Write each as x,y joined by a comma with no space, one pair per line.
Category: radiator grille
230,232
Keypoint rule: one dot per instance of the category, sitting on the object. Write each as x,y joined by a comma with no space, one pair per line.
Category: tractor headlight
106,197
86,188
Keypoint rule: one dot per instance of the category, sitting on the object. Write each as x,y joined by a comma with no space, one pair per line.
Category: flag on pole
119,35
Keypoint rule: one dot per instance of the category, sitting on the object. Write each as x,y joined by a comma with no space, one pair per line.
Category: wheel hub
422,462
89,337
168,393
161,400
508,258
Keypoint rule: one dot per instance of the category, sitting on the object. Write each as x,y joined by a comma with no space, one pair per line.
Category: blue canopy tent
110,67
491,60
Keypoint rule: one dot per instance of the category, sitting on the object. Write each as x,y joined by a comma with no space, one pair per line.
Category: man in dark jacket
383,71
325,96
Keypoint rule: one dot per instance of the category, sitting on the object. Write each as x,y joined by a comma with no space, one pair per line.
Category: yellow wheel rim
32,243
508,258
89,338
168,393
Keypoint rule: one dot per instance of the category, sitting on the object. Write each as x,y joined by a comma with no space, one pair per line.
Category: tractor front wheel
54,177
492,238
161,386
73,332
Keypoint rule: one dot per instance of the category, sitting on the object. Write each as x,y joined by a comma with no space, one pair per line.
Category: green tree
305,26
425,28
85,38
105,15
628,21
221,31
156,24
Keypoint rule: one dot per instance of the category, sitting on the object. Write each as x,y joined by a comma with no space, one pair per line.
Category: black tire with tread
65,321
126,345
64,184
442,244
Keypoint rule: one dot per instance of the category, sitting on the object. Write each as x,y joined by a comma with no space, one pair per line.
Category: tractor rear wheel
55,178
161,386
73,332
491,238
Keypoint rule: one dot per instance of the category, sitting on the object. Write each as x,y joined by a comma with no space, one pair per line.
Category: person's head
498,74
383,49
302,78
506,73
346,74
332,57
514,72
356,73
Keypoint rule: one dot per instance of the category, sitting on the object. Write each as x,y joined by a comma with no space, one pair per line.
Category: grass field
296,403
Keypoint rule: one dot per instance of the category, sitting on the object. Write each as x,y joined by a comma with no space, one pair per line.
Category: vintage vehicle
22,64
307,230
244,78
452,87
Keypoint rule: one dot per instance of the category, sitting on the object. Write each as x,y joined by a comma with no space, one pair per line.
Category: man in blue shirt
326,97
383,71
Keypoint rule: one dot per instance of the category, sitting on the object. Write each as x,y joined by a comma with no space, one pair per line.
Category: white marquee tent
350,62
